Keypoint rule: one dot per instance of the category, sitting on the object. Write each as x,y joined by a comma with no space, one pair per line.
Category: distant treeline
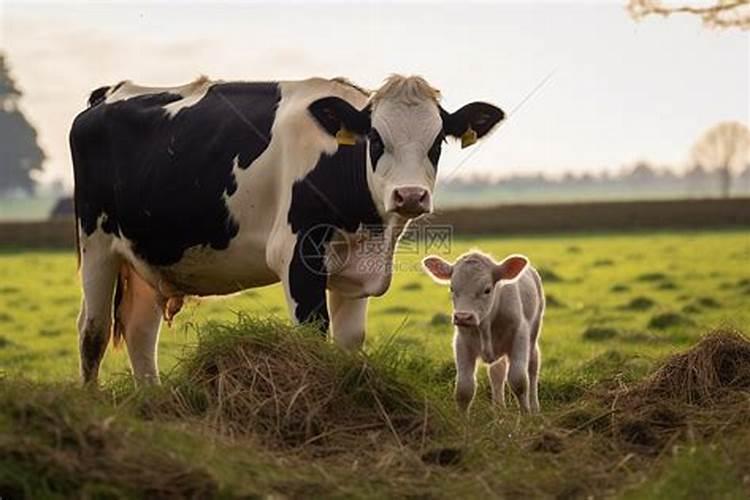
640,182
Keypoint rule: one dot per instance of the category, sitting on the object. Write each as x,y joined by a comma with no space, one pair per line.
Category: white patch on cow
406,115
190,96
191,92
236,170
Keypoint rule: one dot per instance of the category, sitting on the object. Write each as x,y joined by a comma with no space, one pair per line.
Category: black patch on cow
333,113
480,116
93,346
377,148
98,95
160,181
434,153
332,196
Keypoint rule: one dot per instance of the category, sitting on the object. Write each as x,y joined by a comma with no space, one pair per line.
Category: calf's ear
510,268
472,122
438,269
341,119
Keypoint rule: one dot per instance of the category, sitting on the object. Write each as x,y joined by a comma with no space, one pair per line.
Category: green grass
710,271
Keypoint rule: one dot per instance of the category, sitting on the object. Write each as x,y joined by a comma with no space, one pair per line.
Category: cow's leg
347,320
466,353
140,314
519,368
305,281
498,374
535,363
99,268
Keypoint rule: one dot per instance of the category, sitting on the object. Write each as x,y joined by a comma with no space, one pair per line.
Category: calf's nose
462,318
411,201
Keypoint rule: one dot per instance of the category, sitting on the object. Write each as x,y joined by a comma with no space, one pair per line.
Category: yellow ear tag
345,138
468,138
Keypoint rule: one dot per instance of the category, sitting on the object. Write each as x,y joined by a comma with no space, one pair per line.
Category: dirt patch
599,333
603,263
667,285
651,277
639,304
398,310
691,309
286,385
708,302
668,320
619,288
553,302
413,286
549,276
440,319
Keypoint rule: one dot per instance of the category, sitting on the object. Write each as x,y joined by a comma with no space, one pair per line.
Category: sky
586,87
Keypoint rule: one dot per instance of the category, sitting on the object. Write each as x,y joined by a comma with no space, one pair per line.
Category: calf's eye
487,290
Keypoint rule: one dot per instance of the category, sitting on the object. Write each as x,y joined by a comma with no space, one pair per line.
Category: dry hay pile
292,389
695,394
55,442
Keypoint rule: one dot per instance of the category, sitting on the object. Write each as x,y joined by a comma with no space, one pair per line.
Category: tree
20,154
714,13
724,148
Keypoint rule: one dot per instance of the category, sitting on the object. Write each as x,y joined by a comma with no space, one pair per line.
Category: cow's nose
462,318
411,201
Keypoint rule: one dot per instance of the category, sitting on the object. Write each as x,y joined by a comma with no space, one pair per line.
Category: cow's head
405,127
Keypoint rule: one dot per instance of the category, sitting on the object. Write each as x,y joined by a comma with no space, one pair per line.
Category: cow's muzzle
469,319
411,201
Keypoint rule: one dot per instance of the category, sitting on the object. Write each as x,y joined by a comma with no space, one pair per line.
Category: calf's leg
466,361
535,362
498,374
519,369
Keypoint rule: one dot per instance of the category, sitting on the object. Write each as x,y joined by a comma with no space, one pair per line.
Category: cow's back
158,173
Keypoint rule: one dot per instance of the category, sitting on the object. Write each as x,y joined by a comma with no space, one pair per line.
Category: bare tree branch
725,148
714,13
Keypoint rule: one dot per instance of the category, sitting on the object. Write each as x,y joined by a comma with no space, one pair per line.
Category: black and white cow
216,187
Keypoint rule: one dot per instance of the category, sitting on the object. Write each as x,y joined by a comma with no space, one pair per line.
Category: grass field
617,305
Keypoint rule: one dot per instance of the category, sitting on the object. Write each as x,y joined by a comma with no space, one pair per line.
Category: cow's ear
510,268
438,269
341,119
471,122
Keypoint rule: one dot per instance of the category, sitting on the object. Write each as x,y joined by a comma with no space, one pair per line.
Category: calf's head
473,279
404,127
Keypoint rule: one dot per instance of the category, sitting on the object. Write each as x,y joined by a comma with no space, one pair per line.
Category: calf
497,310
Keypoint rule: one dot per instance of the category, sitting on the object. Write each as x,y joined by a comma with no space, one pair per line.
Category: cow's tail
118,325
76,200
96,96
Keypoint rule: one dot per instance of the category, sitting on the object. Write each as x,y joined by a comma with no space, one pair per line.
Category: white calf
497,310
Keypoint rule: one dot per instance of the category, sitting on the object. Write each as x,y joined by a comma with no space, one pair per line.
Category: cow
497,310
215,187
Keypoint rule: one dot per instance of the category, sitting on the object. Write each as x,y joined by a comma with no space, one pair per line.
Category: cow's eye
487,290
376,147
434,153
